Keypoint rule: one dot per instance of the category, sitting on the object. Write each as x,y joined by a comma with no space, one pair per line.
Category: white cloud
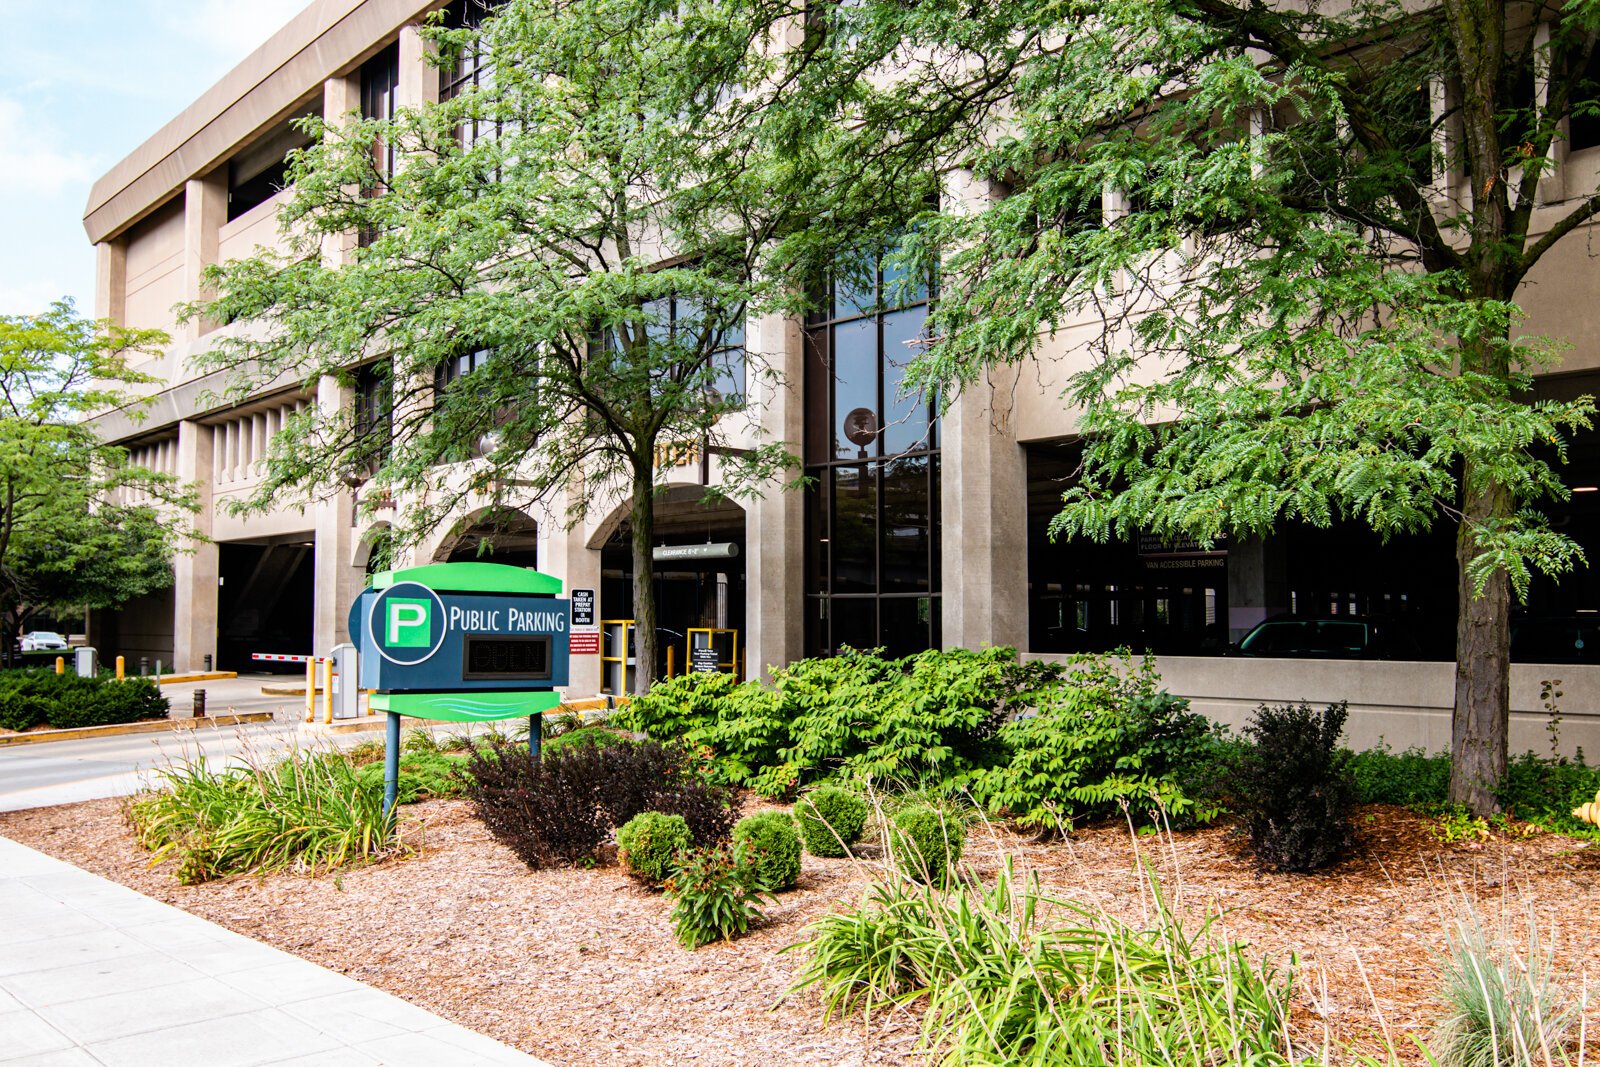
32,161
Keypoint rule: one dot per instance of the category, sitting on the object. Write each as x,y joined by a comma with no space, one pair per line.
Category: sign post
460,642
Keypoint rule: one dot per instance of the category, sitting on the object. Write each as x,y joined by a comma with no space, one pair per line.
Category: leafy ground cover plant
716,894
771,840
42,697
1409,778
831,819
424,773
1544,792
1008,975
926,842
649,843
310,812
1104,736
1294,787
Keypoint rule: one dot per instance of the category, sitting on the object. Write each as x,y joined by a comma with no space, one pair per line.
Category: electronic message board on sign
462,642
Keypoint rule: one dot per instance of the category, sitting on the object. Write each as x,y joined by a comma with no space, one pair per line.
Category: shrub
308,812
926,843
1295,788
1409,778
598,736
1003,983
831,820
546,810
44,698
648,845
560,808
716,895
709,810
424,773
1104,737
930,718
770,839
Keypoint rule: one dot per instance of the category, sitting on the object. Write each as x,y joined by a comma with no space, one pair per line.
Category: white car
43,641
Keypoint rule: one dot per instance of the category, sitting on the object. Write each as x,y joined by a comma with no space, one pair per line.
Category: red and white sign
581,644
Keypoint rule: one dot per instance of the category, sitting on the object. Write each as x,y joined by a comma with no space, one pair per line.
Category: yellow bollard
61,665
311,689
121,668
327,691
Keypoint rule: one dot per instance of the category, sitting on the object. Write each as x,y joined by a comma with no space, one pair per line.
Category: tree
79,526
1307,289
554,269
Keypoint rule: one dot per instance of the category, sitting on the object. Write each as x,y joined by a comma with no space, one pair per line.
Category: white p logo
408,615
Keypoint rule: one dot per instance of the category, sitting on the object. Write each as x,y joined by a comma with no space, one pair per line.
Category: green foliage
1410,778
41,697
831,820
649,843
928,718
1455,824
1294,787
716,895
424,773
1009,975
70,539
770,839
597,736
310,812
1103,737
1544,792
926,842
1507,1006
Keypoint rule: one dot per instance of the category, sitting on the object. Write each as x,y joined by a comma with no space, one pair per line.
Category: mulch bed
580,966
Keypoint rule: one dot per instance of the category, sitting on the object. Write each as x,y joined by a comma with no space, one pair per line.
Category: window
872,569
682,321
472,68
374,416
457,367
1583,122
380,87
259,172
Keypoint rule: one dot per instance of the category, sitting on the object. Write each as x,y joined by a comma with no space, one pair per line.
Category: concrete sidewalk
92,972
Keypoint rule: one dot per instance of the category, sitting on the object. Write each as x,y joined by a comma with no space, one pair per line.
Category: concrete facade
159,217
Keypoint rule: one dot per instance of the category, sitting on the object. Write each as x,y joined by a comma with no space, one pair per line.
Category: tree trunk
642,517
1483,665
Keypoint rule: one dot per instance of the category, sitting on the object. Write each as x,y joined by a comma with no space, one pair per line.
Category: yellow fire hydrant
1589,812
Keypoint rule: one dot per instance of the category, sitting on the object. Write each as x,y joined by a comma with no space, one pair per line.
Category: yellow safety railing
724,642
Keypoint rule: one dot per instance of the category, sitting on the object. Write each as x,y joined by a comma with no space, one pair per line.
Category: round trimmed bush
831,820
770,837
926,843
648,845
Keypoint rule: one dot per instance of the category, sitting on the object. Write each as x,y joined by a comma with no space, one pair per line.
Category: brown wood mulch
580,966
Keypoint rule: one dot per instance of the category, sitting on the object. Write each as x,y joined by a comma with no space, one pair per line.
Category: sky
83,83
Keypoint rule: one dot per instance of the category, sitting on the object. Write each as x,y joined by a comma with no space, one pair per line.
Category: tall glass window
380,88
871,449
472,69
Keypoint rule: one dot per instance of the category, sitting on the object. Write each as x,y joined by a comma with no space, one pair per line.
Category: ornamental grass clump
716,895
926,843
649,843
311,812
1009,975
770,839
1505,1007
831,820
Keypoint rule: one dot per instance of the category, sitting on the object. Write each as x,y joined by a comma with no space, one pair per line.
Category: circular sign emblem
407,623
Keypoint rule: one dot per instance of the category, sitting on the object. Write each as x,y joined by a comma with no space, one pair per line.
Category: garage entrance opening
266,603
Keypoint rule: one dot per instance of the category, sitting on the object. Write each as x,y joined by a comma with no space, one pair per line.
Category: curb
154,726
196,676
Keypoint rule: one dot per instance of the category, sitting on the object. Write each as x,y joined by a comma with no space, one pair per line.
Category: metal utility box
85,662
346,686
462,642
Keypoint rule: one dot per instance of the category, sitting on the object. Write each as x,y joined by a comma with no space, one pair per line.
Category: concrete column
1258,584
565,554
111,281
419,79
195,575
337,581
774,569
983,518
205,210
341,97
